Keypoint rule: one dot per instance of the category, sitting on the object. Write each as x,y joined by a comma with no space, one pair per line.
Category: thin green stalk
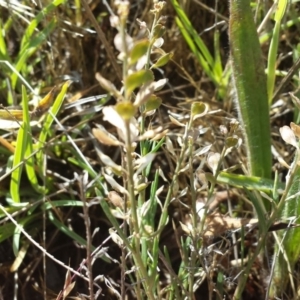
130,188
243,278
194,254
164,214
136,239
130,185
147,66
122,31
282,4
272,61
289,241
211,190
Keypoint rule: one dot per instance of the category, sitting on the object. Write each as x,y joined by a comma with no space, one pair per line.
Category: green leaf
163,60
152,103
139,50
198,109
159,31
126,110
137,79
251,87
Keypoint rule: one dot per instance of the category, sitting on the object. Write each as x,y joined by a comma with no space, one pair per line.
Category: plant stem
263,235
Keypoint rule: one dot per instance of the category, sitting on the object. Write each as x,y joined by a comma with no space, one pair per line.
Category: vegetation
149,150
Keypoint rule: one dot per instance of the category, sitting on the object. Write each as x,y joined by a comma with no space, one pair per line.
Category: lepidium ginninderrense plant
135,98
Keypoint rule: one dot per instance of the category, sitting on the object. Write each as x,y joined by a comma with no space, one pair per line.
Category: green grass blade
281,8
223,76
29,49
194,48
49,121
217,64
7,230
290,237
30,168
249,182
271,69
38,18
195,42
73,235
3,49
17,232
30,159
62,203
192,32
31,43
21,145
251,87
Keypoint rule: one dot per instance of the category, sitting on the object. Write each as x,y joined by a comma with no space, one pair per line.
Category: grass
128,172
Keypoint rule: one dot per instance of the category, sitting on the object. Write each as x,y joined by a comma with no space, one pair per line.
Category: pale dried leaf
162,175
176,122
105,138
68,284
143,162
183,192
158,85
115,185
68,290
120,46
187,229
185,168
159,190
213,161
216,224
9,125
144,93
141,63
296,129
288,136
160,135
117,213
144,209
203,150
107,85
115,237
111,115
200,207
116,199
170,146
109,162
158,42
149,134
